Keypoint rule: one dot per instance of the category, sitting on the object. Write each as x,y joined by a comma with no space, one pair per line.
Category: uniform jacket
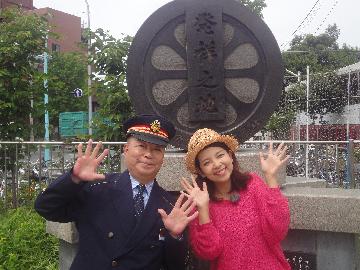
109,237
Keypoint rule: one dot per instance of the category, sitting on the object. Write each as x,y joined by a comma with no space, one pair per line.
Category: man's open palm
179,217
85,168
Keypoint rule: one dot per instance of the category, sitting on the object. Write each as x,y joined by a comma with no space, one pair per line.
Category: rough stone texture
244,89
180,35
292,181
67,254
357,253
303,240
324,209
334,251
64,231
165,58
243,57
167,91
183,117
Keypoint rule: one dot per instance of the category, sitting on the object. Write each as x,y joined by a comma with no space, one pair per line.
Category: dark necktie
139,201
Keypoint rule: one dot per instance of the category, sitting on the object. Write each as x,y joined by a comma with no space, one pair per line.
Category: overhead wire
327,15
302,22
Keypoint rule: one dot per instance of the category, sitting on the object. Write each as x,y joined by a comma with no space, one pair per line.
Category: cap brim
149,138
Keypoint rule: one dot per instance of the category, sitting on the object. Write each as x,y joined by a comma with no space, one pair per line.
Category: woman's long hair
239,180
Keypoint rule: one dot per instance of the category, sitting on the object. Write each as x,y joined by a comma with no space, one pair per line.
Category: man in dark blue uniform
125,221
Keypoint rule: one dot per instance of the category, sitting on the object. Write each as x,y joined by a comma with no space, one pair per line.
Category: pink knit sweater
245,235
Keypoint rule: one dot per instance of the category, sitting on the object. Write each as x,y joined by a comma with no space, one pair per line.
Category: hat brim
148,138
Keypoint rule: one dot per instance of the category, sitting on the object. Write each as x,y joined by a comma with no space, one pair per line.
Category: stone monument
206,63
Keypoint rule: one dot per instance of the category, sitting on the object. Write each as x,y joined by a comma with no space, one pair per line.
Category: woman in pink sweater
242,220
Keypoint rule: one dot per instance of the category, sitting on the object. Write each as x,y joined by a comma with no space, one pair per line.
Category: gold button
114,263
110,235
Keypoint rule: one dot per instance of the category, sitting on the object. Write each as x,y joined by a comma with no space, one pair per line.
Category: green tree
322,52
328,94
327,90
291,102
109,60
22,39
67,71
255,6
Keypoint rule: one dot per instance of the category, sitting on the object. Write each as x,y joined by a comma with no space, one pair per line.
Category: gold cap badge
155,126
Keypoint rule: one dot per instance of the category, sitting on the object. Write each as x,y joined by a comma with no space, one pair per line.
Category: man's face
143,159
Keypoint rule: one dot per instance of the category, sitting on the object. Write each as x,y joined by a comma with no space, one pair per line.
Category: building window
55,47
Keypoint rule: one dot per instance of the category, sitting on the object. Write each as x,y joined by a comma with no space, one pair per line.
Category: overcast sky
282,16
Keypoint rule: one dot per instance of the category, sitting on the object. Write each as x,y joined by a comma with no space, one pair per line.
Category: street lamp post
46,101
89,67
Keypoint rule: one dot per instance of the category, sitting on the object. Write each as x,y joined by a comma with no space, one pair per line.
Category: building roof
354,68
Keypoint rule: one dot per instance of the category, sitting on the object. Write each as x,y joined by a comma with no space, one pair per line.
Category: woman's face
216,164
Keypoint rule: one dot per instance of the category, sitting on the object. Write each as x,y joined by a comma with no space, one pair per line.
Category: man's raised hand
85,168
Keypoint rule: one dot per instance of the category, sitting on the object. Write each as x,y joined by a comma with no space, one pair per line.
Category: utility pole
89,67
307,121
298,75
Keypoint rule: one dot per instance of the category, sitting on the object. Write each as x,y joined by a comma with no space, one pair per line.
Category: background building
66,26
24,4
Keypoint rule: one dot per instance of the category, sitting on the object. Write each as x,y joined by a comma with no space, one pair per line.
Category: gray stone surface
165,58
67,254
357,251
243,57
300,240
334,251
167,91
324,209
64,231
292,181
244,89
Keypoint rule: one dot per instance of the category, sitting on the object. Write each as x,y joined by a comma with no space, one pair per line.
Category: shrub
24,243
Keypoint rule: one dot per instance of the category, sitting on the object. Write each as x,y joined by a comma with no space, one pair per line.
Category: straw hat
202,138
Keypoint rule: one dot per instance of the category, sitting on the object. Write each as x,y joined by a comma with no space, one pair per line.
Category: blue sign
78,92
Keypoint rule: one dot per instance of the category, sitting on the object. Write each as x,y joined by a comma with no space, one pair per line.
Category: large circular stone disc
158,71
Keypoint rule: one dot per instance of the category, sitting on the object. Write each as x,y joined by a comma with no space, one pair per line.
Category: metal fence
23,167
337,162
28,167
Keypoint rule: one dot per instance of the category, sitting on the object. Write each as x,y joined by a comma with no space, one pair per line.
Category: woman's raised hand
193,191
85,168
272,162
